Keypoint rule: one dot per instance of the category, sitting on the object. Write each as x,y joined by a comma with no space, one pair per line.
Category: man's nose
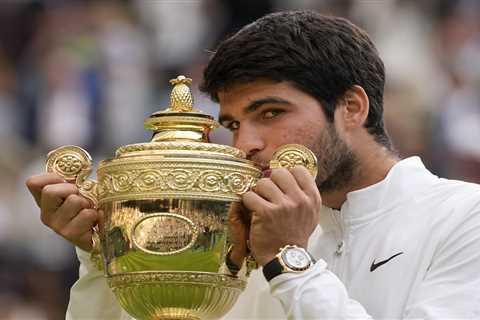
249,140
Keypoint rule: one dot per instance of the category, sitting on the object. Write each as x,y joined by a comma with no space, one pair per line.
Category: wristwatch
291,258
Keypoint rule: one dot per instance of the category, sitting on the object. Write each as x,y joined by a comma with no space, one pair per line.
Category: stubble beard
336,161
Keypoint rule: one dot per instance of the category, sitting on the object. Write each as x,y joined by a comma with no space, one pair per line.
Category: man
391,240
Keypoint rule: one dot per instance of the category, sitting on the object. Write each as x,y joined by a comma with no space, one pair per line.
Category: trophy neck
173,126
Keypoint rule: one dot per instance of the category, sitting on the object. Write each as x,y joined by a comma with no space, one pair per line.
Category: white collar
404,180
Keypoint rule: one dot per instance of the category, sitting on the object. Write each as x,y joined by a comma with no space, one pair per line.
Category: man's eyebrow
254,105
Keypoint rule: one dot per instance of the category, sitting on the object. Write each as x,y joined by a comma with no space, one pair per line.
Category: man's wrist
237,255
234,259
290,258
264,259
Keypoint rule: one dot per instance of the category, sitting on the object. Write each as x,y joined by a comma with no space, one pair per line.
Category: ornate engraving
211,181
180,145
68,162
164,234
149,180
239,183
181,179
75,165
204,278
171,178
122,181
291,155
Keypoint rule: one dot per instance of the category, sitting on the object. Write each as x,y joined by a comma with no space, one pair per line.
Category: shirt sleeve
315,294
451,287
90,296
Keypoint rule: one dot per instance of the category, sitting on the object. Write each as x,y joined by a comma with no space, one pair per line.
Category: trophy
164,241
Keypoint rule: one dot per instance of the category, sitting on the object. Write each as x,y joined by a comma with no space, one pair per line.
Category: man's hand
285,210
63,209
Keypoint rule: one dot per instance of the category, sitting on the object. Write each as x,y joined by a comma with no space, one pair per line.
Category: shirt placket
339,256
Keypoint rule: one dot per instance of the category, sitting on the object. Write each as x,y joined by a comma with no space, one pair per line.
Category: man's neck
372,168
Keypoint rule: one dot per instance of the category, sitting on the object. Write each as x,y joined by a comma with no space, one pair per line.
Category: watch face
296,258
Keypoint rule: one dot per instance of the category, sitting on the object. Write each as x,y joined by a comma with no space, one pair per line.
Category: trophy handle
74,164
291,155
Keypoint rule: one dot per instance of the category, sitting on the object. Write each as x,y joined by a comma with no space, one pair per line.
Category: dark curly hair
323,56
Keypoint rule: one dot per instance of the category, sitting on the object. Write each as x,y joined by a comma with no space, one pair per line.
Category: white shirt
406,247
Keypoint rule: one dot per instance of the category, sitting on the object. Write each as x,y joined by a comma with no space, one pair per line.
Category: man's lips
266,173
264,167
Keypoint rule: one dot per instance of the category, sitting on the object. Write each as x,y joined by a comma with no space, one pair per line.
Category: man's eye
232,126
269,114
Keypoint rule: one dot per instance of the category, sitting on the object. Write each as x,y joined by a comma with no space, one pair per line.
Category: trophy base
169,295
174,314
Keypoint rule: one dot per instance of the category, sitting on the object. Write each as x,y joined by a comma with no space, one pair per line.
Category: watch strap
272,269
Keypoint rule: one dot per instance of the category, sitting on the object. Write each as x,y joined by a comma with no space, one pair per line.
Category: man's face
264,115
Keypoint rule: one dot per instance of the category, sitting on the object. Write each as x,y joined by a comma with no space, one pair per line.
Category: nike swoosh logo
378,264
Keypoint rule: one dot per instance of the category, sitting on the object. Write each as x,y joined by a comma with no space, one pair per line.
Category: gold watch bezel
284,263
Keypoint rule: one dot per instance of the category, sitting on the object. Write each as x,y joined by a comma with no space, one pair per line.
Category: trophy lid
179,162
181,128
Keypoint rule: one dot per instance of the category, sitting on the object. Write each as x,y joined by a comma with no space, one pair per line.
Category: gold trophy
165,239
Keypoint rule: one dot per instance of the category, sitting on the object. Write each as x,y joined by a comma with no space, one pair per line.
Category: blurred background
88,73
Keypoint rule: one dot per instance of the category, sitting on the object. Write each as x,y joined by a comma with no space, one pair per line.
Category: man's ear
353,108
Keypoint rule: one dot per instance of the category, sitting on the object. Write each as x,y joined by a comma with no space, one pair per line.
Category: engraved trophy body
165,203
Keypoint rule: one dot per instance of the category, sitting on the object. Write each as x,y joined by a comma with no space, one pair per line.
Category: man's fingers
238,214
268,190
79,229
69,209
306,182
63,209
53,196
83,222
254,202
285,181
85,241
101,221
36,183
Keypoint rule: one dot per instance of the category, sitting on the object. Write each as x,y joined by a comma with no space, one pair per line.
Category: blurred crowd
88,72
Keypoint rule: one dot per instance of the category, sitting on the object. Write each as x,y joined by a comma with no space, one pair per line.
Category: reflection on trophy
165,238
